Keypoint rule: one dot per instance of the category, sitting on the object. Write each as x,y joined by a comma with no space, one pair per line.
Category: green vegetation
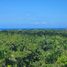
33,48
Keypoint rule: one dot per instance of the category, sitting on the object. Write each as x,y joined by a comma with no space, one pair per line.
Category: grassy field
33,48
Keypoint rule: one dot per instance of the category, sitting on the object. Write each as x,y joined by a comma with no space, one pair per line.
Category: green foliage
62,60
33,48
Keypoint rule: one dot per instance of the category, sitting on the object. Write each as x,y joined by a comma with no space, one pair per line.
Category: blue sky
33,13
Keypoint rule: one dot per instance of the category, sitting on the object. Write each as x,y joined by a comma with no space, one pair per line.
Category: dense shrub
33,48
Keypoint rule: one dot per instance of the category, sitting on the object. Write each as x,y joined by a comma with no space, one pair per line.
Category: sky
33,14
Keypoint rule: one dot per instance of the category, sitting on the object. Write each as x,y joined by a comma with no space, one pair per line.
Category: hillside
33,48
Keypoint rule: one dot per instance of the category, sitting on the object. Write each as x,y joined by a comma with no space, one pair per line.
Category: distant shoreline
1,29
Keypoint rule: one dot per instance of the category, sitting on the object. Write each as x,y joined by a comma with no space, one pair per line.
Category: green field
33,48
